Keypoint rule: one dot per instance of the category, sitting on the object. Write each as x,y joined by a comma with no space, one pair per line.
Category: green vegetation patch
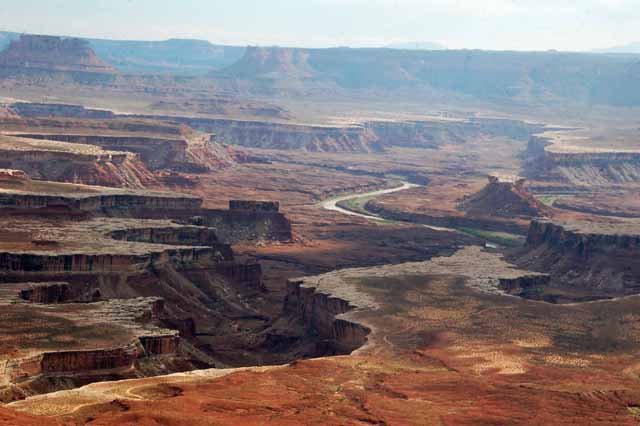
502,238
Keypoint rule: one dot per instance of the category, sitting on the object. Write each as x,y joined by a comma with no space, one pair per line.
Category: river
332,204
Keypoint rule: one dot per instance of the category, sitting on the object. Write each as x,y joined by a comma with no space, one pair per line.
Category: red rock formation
35,55
159,345
504,196
597,260
318,311
155,153
581,167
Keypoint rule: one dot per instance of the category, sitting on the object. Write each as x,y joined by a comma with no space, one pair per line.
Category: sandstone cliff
36,57
594,259
581,167
78,163
155,153
319,312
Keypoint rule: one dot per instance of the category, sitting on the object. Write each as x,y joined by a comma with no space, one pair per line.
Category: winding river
332,204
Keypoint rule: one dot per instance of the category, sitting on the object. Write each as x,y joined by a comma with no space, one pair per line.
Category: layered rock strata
155,153
49,57
594,260
245,220
66,162
548,159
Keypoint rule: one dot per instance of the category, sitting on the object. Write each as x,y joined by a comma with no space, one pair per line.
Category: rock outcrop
597,260
66,162
580,166
155,153
373,136
320,313
46,293
48,57
504,196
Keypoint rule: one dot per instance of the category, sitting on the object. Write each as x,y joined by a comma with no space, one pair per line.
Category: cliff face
267,135
155,153
46,293
318,311
234,226
121,205
584,245
365,137
587,168
372,136
35,56
602,263
62,162
31,263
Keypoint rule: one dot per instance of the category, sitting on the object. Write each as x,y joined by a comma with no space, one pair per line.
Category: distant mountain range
417,45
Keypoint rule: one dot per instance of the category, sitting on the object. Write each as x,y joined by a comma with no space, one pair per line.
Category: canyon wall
580,168
365,137
594,258
155,153
233,226
51,263
118,204
109,168
272,135
372,136
319,313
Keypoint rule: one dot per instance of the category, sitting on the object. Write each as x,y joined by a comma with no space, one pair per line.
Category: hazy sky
485,24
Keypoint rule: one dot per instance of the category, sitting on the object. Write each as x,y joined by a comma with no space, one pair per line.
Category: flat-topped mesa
364,137
586,240
108,203
155,153
68,162
596,260
554,160
505,196
38,56
281,136
244,221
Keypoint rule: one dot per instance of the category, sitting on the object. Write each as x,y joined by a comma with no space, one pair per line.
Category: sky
575,25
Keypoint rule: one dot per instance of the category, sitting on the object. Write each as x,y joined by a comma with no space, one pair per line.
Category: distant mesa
522,77
272,62
50,56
